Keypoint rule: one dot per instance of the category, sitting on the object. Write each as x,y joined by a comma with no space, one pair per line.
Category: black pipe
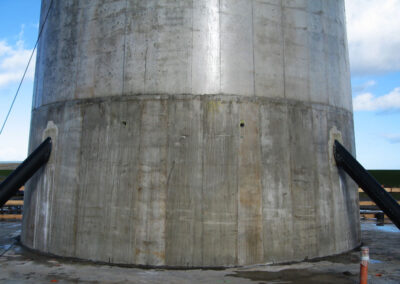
25,171
367,182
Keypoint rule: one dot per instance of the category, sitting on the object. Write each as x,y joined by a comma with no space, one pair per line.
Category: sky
373,29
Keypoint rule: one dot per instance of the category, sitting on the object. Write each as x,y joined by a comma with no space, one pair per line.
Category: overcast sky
373,28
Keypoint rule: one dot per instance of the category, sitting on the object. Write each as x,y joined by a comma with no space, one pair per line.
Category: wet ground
20,266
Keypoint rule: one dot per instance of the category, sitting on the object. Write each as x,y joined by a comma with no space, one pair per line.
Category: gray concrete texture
18,265
192,133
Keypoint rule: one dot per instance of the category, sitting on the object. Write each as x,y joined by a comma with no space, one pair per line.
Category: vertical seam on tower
146,35
317,188
283,52
138,176
78,193
237,186
168,175
262,183
290,175
308,57
191,57
193,237
145,67
312,220
332,193
219,34
78,209
202,103
78,61
123,56
252,40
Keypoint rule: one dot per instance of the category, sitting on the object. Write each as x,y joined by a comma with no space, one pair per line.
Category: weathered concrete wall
192,133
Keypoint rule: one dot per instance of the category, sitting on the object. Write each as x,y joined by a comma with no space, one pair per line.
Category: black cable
26,69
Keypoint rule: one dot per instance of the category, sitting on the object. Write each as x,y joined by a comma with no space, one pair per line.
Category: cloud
13,61
369,102
364,86
4,48
392,138
373,33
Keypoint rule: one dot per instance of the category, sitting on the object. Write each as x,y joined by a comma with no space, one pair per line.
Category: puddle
295,276
5,247
374,261
387,228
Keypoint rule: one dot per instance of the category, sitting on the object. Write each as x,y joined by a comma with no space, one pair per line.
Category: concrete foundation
21,266
192,133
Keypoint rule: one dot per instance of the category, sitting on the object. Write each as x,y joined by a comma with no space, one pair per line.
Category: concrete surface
192,133
20,266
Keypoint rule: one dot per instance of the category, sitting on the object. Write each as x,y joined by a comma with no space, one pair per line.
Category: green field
4,174
364,197
387,178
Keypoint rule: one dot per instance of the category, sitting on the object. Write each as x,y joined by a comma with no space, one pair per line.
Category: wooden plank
14,203
367,216
10,217
368,203
388,189
371,216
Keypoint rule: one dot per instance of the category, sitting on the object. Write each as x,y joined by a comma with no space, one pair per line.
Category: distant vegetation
387,178
4,174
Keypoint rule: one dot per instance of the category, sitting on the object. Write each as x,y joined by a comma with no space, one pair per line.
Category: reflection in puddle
374,261
388,228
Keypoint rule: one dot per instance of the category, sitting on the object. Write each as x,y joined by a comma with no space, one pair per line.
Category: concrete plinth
192,134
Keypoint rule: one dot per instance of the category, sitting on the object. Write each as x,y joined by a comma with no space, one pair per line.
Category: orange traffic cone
364,265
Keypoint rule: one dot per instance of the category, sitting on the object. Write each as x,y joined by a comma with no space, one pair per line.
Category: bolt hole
124,122
242,124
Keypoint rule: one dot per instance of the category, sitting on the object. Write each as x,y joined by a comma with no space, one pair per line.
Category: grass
387,178
4,174
364,197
